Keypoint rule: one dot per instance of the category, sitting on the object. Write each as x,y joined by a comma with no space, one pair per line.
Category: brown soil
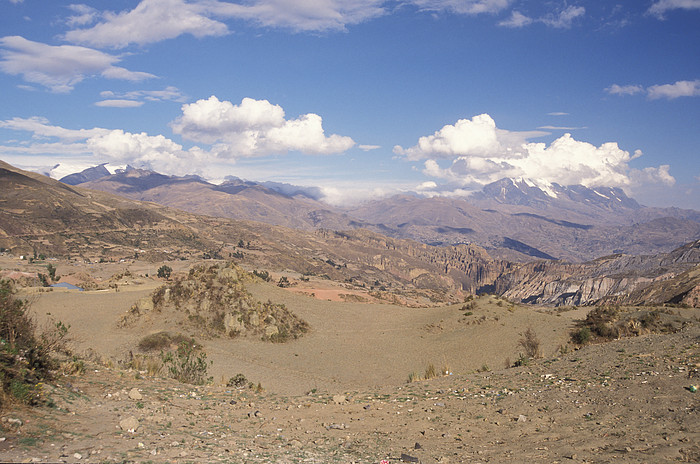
340,392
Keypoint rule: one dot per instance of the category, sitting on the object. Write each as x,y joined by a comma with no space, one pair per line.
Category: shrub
237,381
160,341
186,365
531,344
164,272
25,357
264,275
581,336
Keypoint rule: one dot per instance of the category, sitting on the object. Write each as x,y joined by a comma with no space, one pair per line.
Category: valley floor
623,401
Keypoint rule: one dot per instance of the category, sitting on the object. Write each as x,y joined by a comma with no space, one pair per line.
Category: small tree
530,343
52,272
164,272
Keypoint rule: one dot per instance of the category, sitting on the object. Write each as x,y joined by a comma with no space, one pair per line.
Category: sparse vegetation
237,381
264,275
25,356
531,344
160,341
187,364
215,299
612,322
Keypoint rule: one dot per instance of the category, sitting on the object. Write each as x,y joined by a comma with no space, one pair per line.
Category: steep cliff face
668,278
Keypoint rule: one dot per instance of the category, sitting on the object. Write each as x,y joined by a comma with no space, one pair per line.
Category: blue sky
360,97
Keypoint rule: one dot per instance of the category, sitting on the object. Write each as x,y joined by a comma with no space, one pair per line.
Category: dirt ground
341,394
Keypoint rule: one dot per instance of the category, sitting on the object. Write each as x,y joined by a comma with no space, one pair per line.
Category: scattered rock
522,418
407,458
336,426
134,394
339,399
13,421
130,424
78,456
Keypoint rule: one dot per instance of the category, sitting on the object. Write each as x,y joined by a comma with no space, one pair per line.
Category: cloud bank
254,128
479,153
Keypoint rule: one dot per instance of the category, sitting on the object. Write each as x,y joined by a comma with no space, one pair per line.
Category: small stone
134,394
78,456
295,444
339,399
407,458
522,418
130,424
141,445
417,446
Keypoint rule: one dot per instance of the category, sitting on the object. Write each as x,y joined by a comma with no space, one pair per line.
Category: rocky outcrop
214,299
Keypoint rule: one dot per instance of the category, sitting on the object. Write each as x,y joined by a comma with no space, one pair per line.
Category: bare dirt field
340,393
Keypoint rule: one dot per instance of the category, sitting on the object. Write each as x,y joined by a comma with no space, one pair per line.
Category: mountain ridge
517,220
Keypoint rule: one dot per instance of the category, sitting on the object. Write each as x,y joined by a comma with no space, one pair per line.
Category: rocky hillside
667,278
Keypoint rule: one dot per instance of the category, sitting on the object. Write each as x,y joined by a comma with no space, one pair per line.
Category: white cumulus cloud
678,89
478,137
59,68
660,7
99,145
480,153
255,128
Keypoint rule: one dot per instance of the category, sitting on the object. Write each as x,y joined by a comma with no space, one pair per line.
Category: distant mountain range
41,215
514,219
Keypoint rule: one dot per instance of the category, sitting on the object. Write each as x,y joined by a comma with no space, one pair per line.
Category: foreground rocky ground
625,401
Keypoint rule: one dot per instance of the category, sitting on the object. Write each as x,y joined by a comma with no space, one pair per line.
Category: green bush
581,336
186,365
25,357
164,272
